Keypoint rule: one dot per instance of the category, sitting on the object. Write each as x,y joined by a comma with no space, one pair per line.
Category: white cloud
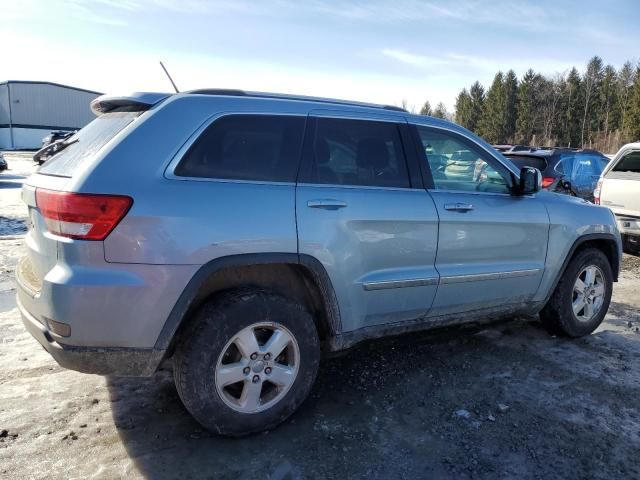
454,63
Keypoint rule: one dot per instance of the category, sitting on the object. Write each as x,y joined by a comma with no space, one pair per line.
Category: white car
619,189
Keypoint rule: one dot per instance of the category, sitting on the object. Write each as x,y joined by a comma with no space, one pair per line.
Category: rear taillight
547,181
81,215
597,192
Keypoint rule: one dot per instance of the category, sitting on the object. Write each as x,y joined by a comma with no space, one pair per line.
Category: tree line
597,109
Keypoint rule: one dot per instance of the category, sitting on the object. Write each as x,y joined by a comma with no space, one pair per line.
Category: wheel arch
604,242
299,276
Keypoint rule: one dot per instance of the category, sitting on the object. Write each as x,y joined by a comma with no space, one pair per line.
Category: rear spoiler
136,102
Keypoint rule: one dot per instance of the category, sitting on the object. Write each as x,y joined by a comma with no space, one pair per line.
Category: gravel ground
505,401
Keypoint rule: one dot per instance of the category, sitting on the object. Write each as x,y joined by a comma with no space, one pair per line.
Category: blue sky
379,51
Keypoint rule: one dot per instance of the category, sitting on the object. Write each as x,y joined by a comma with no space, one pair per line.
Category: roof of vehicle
529,153
629,146
140,101
146,100
616,158
549,152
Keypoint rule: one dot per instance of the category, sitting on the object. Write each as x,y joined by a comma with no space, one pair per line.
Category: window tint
357,152
246,147
86,143
528,161
455,165
629,163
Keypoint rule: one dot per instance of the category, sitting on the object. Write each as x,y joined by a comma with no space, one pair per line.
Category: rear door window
357,152
86,143
630,163
246,147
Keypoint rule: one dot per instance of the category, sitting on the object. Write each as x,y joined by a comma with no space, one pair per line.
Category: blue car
564,170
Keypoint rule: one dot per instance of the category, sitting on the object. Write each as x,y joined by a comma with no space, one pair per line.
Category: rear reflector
547,181
598,192
80,215
59,328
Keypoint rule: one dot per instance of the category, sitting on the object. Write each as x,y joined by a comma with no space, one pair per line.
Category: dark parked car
3,163
564,170
514,148
56,135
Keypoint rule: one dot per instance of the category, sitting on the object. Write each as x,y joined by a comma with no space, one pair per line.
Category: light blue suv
242,234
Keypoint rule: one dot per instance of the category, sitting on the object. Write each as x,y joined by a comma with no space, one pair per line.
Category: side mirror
530,180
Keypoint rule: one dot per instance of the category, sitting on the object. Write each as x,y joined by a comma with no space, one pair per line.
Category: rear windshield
86,143
577,164
629,163
524,161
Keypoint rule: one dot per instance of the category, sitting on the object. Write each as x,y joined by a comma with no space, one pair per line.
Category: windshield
83,145
528,161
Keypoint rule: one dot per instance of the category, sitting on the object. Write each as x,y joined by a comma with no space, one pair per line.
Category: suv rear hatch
619,189
46,193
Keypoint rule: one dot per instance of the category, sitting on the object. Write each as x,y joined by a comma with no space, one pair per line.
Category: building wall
39,107
5,138
28,138
4,104
50,105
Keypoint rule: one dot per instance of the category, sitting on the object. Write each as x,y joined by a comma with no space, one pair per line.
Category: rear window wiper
53,148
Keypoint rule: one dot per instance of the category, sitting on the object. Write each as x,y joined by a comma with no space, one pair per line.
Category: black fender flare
576,244
190,292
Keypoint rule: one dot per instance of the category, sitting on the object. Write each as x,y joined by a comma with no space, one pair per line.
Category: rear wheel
247,362
581,299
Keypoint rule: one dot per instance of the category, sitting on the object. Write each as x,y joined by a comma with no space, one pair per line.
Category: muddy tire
582,297
246,362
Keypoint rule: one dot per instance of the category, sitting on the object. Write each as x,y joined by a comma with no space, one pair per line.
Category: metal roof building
30,110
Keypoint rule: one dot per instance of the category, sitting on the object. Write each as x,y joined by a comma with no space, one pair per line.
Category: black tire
199,348
557,315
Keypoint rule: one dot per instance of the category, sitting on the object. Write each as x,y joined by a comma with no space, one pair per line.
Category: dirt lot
508,401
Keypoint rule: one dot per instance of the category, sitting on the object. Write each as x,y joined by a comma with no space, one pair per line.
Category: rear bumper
130,362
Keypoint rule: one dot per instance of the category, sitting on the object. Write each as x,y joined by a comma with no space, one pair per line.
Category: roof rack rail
283,96
231,92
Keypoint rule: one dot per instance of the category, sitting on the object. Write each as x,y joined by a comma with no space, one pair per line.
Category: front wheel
582,297
247,362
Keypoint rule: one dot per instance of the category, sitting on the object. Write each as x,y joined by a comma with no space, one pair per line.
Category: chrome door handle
326,203
458,207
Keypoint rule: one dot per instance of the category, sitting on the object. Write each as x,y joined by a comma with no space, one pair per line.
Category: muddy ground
505,401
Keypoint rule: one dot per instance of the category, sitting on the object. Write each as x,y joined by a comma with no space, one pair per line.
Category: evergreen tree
426,109
633,126
592,84
609,112
477,105
573,108
492,122
600,109
624,89
511,106
440,111
463,109
525,122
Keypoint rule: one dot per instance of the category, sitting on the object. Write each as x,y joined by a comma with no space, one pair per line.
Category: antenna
170,79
